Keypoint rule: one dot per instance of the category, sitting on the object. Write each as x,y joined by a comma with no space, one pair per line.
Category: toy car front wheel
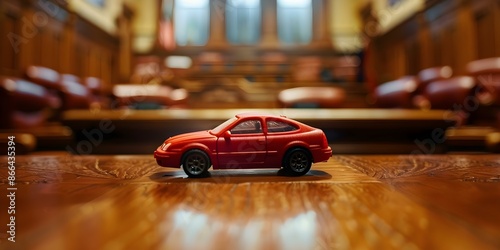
297,162
196,163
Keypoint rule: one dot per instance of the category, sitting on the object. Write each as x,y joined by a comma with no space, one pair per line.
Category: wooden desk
350,202
332,118
52,136
350,131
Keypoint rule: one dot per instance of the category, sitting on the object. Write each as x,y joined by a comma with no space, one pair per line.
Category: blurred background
378,76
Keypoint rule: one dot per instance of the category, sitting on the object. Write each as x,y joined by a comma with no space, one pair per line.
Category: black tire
196,163
297,162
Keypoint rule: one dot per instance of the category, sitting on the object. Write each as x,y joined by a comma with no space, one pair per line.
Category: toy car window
274,126
247,127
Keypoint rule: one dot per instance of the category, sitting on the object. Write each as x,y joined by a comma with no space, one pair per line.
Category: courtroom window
243,21
295,19
192,22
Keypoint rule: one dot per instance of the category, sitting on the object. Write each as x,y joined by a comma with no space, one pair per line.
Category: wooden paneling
443,36
413,54
486,20
48,34
445,32
483,23
9,13
465,44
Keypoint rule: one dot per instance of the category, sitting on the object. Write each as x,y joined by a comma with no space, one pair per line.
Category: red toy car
247,141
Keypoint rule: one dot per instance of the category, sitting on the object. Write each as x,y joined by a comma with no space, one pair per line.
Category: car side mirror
227,134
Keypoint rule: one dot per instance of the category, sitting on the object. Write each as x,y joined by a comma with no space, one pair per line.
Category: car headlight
164,147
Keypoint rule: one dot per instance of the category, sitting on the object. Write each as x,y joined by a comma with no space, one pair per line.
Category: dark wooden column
124,25
68,45
217,35
321,23
424,40
496,16
466,33
269,24
27,53
12,39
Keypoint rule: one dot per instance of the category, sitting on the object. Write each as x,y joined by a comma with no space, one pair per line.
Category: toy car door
243,146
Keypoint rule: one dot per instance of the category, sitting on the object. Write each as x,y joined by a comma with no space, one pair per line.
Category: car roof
264,116
257,114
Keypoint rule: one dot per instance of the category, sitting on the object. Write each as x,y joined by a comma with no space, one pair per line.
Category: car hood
188,137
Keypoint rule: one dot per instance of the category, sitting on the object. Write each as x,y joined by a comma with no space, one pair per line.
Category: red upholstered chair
429,75
95,85
179,98
487,74
49,79
23,104
75,95
454,94
316,97
99,97
425,77
396,94
450,93
43,76
67,87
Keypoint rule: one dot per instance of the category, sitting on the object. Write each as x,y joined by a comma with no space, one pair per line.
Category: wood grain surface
350,202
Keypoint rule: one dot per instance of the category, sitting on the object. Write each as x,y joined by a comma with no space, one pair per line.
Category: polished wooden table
350,202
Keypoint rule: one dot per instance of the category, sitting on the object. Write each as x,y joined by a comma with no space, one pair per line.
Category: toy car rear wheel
196,163
297,162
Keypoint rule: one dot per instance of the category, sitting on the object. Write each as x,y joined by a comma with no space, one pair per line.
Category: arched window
191,22
295,19
243,21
